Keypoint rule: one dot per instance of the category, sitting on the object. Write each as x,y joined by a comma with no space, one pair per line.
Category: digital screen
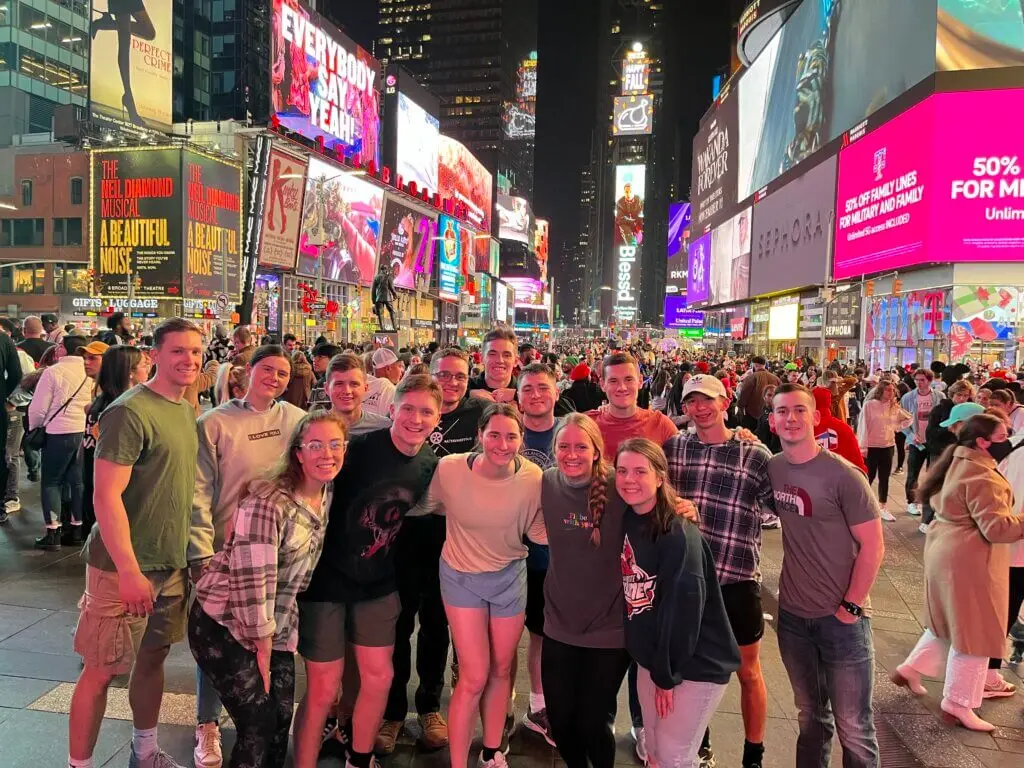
514,216
541,244
282,210
783,321
213,220
141,94
406,244
529,292
633,115
986,313
678,316
500,302
730,259
635,76
450,260
628,237
814,81
979,35
419,133
340,225
266,301
698,273
713,185
323,85
462,177
678,235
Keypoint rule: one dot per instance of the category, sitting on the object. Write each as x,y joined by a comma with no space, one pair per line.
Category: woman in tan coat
966,569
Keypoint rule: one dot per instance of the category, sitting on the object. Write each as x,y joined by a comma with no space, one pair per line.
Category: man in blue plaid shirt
727,478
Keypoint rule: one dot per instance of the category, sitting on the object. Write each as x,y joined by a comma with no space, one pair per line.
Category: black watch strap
852,608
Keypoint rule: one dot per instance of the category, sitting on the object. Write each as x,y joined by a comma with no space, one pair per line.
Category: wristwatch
852,608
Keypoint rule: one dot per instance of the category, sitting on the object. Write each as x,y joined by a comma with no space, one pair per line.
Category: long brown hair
664,511
598,494
287,473
982,425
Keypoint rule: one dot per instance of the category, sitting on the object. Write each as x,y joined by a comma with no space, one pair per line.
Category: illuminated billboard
514,216
212,191
500,302
340,225
323,85
633,115
463,178
628,237
407,243
418,135
541,244
678,236
730,259
979,35
529,292
635,76
520,116
282,210
450,260
136,89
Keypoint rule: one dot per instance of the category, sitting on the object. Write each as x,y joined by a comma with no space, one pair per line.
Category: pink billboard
933,185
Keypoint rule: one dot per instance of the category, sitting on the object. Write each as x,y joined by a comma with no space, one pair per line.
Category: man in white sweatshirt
239,441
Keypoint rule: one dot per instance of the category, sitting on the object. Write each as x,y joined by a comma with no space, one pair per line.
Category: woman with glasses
243,626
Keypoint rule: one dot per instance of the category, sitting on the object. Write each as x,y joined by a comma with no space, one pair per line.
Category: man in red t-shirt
621,418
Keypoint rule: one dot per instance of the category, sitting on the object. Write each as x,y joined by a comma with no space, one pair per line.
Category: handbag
36,438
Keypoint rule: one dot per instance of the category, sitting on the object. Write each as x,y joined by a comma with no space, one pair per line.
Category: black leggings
901,450
580,688
261,719
879,463
1016,600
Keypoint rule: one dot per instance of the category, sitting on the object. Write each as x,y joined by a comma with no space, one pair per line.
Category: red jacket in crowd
835,435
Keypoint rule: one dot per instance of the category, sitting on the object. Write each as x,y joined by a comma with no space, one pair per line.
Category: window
21,232
71,278
76,190
223,82
24,278
26,192
67,231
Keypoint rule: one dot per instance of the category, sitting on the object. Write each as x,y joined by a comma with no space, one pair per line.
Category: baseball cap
384,357
704,384
962,412
791,367
96,347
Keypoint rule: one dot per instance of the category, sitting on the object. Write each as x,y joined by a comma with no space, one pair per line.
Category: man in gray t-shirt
832,549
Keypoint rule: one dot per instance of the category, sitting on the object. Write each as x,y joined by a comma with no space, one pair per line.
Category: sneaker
898,471
72,536
3,517
33,477
771,523
373,763
640,742
435,731
50,541
706,758
158,759
333,741
914,509
922,528
387,736
498,761
506,734
207,753
12,505
538,723
886,515
997,687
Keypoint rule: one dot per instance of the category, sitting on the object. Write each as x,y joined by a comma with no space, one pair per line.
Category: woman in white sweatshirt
880,419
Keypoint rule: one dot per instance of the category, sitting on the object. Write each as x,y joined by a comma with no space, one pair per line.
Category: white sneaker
996,686
922,528
886,515
640,739
12,505
914,509
207,753
498,761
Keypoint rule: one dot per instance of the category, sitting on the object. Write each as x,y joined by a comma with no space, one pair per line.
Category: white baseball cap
383,357
704,384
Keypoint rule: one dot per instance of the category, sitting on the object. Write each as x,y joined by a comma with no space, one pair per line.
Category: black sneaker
538,723
72,536
33,477
51,541
506,734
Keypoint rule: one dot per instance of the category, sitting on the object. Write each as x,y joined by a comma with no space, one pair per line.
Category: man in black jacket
10,369
383,294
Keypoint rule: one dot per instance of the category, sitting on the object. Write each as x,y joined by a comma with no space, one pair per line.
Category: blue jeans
208,704
831,667
62,465
15,431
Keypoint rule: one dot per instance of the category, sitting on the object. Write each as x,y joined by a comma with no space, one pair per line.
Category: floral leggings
261,719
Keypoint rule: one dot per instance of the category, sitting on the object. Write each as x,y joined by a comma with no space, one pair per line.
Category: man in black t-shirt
497,383
34,343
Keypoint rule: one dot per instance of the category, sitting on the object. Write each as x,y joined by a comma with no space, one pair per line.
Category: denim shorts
501,593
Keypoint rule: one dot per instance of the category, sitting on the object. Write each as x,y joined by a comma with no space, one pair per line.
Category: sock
752,753
84,763
487,754
76,522
536,702
144,742
360,759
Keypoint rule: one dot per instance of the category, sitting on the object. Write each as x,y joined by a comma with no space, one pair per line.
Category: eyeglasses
319,446
461,378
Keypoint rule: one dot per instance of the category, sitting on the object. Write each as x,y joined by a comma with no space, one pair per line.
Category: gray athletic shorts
502,593
324,628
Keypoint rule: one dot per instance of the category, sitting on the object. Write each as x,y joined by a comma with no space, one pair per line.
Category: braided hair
600,473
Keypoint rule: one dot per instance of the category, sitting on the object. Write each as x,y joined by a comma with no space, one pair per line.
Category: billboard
134,90
812,82
136,222
678,316
678,236
500,302
979,35
528,292
323,85
791,231
730,259
635,76
449,243
340,225
514,216
282,210
698,272
541,244
213,220
628,237
463,178
418,135
406,243
633,115
713,187
520,116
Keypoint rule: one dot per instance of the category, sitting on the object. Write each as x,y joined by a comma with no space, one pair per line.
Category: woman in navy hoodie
677,630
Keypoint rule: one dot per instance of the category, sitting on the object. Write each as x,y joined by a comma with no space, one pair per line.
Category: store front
418,326
842,327
266,304
760,312
308,326
448,318
812,317
90,315
783,328
910,328
985,324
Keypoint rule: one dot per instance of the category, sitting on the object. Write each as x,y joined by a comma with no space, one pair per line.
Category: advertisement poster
213,220
449,267
529,292
628,237
791,231
406,240
483,248
908,319
323,85
678,236
419,133
340,225
136,91
463,178
541,243
813,81
500,302
266,301
136,224
282,210
730,259
633,115
986,313
979,35
698,273
514,218
678,316
713,187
